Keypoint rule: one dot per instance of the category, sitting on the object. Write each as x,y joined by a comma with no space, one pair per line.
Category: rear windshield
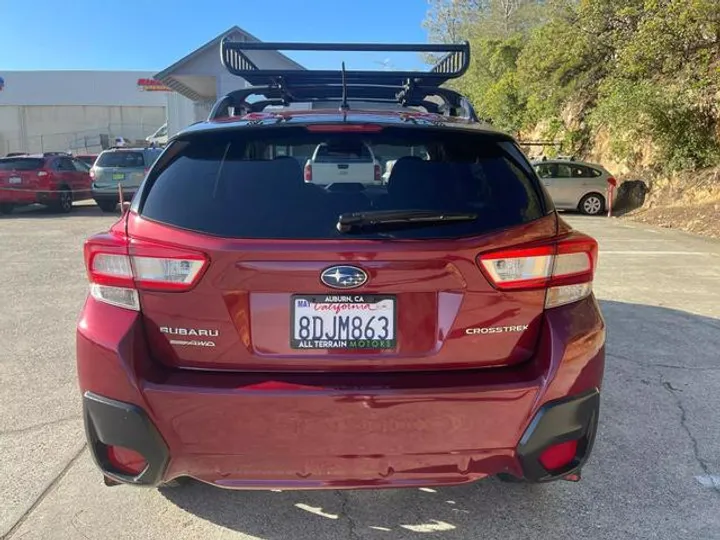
21,164
251,184
120,159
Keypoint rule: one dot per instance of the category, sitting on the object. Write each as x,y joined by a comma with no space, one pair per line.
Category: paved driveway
655,472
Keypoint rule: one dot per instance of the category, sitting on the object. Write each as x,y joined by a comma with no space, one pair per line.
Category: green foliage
647,71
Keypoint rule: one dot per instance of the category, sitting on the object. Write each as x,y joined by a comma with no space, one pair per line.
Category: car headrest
261,178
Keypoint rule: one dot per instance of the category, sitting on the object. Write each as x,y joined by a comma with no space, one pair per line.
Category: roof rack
285,86
452,65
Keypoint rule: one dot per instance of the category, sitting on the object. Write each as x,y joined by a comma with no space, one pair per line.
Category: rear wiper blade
396,219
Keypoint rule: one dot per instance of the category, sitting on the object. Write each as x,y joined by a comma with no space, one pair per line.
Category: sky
153,34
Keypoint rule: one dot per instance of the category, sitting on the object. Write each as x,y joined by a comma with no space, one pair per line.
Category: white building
61,110
86,110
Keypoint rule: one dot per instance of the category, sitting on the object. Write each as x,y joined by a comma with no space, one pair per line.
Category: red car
52,179
255,331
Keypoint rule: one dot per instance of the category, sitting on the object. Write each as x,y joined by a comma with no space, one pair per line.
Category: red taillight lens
116,268
42,173
126,460
565,268
559,455
612,181
378,173
307,174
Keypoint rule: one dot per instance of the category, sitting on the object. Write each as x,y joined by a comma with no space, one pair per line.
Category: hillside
631,84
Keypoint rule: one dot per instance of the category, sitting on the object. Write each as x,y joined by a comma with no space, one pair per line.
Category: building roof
184,84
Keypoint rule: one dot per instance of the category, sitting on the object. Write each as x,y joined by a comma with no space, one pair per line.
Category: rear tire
592,204
6,208
64,202
107,206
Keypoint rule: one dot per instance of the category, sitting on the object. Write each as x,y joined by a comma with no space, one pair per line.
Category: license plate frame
362,344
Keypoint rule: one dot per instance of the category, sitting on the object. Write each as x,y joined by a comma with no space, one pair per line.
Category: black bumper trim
115,423
573,418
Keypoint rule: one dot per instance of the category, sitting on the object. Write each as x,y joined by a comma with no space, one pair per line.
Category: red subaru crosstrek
252,330
54,179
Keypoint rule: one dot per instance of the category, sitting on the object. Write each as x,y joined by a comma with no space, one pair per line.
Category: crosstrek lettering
496,329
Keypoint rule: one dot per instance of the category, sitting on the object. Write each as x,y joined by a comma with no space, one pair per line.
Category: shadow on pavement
646,346
448,512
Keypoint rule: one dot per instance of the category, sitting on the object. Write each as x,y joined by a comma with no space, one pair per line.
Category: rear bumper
10,195
111,194
311,431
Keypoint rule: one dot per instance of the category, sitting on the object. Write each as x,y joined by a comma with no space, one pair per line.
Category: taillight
378,173
611,180
126,460
92,173
307,174
42,173
564,268
558,455
117,268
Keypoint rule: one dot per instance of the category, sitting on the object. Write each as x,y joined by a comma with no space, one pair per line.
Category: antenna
344,104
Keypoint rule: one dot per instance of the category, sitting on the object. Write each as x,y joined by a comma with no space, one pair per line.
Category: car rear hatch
240,265
125,167
20,173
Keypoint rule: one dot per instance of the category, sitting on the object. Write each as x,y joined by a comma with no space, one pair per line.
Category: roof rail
452,65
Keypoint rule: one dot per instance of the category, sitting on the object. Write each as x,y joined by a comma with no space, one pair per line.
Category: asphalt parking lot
655,471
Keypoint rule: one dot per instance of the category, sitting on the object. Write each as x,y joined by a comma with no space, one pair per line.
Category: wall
180,113
60,128
57,110
114,88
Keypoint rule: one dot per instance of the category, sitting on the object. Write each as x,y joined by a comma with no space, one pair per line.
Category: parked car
124,167
160,137
576,185
87,159
52,179
253,330
347,162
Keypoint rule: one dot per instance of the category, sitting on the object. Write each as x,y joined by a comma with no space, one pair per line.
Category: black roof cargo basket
451,66
281,87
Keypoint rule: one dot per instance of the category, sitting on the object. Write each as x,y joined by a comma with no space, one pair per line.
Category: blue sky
153,34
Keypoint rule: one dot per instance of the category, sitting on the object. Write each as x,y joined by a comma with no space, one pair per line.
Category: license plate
14,180
357,321
118,176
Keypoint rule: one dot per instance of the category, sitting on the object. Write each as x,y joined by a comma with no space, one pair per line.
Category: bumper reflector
125,460
559,455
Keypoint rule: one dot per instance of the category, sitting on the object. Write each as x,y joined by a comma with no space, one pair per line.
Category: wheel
107,205
64,202
6,208
592,204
